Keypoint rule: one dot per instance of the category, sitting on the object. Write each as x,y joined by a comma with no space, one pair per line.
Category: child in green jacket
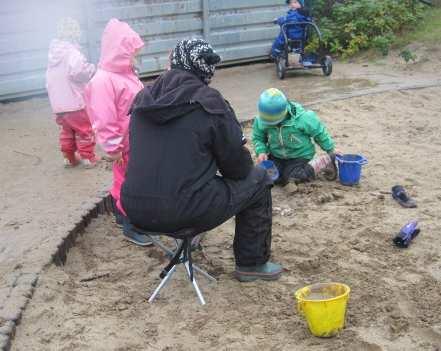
284,132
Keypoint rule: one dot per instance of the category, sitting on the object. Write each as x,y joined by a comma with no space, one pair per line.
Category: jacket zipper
281,141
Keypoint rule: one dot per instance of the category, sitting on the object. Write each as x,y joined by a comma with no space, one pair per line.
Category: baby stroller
308,60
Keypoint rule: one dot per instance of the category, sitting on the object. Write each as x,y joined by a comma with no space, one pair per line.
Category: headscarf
68,29
197,56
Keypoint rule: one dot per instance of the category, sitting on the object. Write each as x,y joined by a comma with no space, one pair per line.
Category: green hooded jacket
293,137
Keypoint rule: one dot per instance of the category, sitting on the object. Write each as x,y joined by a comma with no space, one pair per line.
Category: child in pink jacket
109,96
66,76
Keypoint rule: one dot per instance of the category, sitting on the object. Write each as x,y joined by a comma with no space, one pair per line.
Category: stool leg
195,284
205,274
162,283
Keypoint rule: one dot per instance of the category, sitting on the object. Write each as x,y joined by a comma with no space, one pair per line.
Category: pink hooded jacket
66,76
110,93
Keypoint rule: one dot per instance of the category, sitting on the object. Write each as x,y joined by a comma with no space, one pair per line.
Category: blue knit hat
273,107
301,2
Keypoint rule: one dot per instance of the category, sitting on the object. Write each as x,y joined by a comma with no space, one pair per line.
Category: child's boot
70,160
89,163
324,164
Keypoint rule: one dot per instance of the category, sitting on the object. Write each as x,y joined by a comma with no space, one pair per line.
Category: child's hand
117,158
262,157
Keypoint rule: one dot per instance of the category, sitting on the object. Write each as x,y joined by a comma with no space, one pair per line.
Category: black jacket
181,133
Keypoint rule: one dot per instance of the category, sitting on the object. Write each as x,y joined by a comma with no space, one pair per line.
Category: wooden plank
22,86
243,19
23,65
39,20
243,35
216,5
147,11
162,27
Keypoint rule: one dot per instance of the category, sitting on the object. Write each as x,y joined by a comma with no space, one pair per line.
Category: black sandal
400,195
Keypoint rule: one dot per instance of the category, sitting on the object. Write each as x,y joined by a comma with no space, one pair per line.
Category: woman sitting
182,132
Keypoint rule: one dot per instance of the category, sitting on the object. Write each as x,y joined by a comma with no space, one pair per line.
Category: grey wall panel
160,23
257,17
238,29
152,10
216,5
24,63
22,86
20,45
27,27
242,36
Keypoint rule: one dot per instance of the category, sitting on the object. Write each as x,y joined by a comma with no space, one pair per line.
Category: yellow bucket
324,307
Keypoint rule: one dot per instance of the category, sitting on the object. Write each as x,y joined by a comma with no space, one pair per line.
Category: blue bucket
349,168
270,168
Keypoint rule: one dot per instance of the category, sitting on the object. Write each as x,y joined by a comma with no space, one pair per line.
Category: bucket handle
361,162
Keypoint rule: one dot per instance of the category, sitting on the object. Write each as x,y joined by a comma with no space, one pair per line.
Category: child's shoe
325,164
331,171
70,160
89,163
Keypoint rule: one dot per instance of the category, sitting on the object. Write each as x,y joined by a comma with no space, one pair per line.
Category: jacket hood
295,111
58,49
176,93
118,45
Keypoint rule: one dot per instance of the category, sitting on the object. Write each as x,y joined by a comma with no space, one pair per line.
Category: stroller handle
305,24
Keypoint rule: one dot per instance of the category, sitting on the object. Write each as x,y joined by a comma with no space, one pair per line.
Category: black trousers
250,201
296,169
219,200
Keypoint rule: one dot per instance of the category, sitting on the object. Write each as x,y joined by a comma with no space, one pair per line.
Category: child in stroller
297,13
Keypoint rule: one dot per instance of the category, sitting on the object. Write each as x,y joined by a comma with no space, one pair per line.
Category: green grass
427,32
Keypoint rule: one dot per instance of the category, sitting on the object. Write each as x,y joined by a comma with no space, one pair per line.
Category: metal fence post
206,19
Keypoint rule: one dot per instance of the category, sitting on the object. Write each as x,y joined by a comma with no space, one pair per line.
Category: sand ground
322,232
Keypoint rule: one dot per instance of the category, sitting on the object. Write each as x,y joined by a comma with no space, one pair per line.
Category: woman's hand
116,158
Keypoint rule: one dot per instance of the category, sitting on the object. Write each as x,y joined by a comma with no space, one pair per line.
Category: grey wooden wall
238,29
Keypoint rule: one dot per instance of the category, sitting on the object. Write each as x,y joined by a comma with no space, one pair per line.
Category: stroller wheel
327,65
281,67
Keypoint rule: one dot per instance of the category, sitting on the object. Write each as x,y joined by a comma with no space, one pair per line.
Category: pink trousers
119,173
76,135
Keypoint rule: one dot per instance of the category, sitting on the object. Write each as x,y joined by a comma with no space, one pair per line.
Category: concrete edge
103,206
58,257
